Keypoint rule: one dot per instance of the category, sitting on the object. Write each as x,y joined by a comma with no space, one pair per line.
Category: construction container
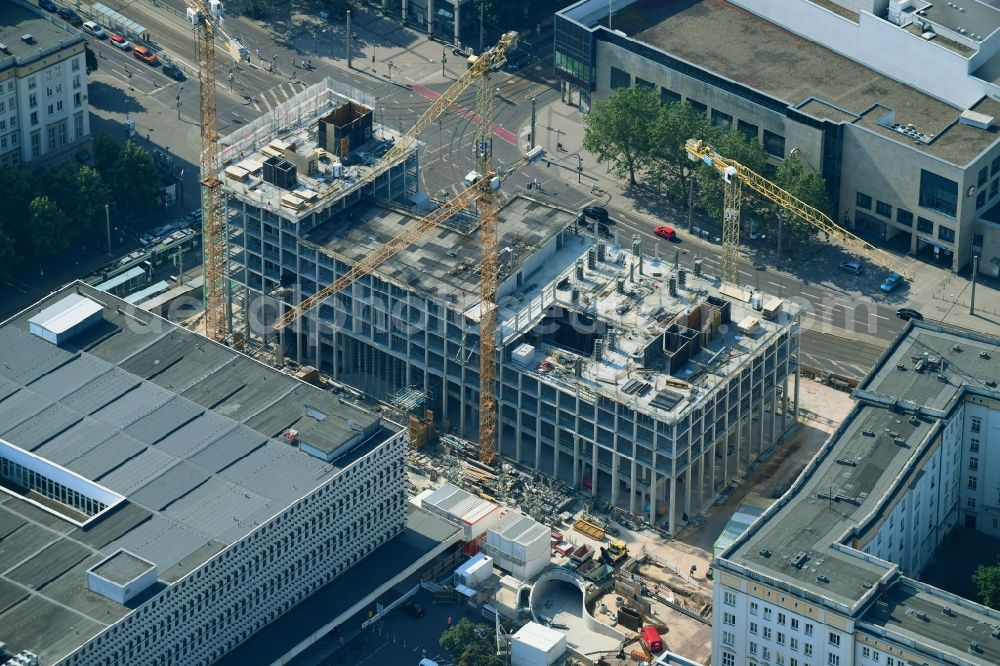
474,571
537,645
519,544
474,514
590,529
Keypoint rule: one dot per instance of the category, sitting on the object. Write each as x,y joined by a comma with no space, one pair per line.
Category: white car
95,30
121,42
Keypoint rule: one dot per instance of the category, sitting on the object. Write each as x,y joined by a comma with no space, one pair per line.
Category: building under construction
630,376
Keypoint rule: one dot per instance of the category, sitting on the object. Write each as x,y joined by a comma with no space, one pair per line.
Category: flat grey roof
874,455
424,532
122,568
443,263
953,632
183,427
721,38
49,34
968,17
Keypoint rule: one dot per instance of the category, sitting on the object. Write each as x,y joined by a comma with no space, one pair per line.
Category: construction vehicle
483,193
617,550
590,529
582,554
736,175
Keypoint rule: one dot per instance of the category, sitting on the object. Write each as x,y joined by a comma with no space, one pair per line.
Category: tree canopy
987,579
623,130
470,644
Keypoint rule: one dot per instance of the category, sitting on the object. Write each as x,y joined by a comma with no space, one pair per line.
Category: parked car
68,15
48,5
173,71
516,60
891,282
907,314
853,267
596,213
121,42
665,232
145,54
95,30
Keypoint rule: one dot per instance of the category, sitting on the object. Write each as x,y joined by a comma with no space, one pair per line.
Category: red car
121,42
144,54
665,232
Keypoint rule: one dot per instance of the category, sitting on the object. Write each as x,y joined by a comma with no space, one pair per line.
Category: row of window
904,217
773,143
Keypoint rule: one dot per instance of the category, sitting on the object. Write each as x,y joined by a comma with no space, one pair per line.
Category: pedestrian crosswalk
266,100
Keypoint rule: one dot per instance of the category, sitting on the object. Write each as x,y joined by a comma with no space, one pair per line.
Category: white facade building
828,575
44,114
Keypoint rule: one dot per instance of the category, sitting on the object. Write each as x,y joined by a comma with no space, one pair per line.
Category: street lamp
689,175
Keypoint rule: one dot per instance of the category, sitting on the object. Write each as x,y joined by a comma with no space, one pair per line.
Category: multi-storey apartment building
618,372
164,497
893,102
44,115
830,573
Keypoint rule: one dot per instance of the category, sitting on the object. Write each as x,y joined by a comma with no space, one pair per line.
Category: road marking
808,295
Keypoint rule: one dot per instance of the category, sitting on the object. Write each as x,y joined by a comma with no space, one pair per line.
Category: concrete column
633,486
576,461
403,4
538,446
774,407
614,479
672,512
798,369
763,401
593,469
430,17
687,488
739,429
458,22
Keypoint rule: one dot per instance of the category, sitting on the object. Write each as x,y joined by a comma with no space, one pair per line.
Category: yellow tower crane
206,19
736,175
481,192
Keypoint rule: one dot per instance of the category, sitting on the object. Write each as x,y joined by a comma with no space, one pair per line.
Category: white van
95,30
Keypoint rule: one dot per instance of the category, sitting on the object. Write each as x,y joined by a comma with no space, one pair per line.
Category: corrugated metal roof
76,441
38,428
170,486
127,477
160,540
226,450
23,360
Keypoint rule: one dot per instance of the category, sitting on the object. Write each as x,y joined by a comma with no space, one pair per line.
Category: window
48,91
749,130
77,99
697,106
984,174
76,82
994,187
809,629
32,83
774,144
765,653
51,110
767,633
981,199
973,463
970,503
36,143
753,628
75,66
863,201
866,652
753,647
720,119
780,638
32,101
925,226
977,424
51,133
977,240
793,662
972,483
883,209
728,638
938,193
754,608
767,614
904,217
795,624
793,643
729,598
668,96
834,639
781,619
728,618
833,659
974,445
946,234
78,124
779,658
620,79
728,659
643,83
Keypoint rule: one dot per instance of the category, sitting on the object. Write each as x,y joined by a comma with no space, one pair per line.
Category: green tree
676,123
7,253
134,180
18,188
49,227
106,153
91,59
81,193
471,644
987,579
621,130
810,187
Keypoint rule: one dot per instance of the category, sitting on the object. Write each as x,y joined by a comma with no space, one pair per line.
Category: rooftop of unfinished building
708,331
326,172
716,36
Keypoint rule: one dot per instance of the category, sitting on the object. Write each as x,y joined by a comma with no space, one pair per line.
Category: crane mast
213,231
